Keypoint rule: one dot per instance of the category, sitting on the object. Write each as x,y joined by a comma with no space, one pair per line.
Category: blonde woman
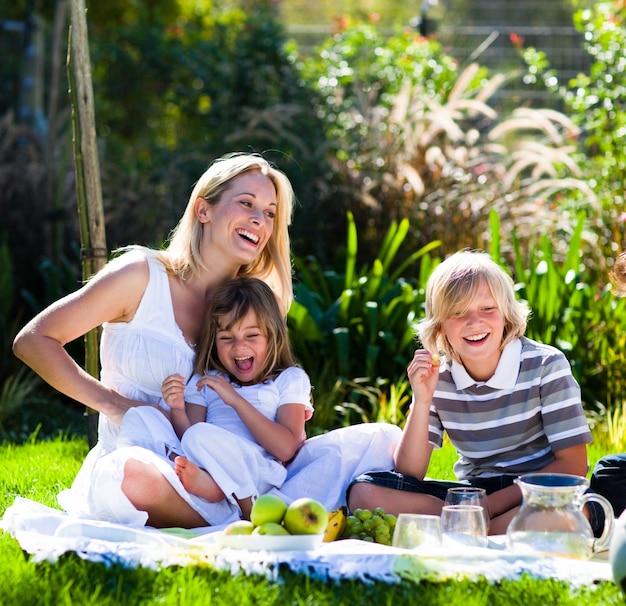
151,306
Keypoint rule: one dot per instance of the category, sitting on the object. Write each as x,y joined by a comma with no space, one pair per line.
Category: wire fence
492,47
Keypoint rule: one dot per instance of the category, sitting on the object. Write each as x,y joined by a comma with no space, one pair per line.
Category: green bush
410,134
570,311
594,102
172,94
354,330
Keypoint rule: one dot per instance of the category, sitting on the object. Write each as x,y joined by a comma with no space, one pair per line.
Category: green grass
39,469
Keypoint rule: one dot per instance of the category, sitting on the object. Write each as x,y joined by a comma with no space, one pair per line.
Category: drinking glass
463,525
417,530
469,495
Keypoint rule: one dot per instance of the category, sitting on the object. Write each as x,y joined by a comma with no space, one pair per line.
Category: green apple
270,528
239,527
268,508
305,516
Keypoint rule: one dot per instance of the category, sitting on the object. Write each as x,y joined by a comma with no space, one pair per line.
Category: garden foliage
399,156
355,331
411,134
594,102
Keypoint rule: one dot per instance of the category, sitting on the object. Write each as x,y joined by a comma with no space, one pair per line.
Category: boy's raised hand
423,374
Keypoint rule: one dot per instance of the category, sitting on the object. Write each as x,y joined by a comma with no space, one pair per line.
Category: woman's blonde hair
451,289
183,251
229,305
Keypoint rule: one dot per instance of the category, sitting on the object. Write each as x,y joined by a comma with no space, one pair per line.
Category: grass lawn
39,469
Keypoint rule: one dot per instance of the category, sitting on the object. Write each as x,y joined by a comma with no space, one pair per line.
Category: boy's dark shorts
435,488
439,488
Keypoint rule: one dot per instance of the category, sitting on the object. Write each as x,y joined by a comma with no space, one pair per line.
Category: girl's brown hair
229,305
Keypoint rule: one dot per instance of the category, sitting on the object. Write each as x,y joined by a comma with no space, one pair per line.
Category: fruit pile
375,526
270,515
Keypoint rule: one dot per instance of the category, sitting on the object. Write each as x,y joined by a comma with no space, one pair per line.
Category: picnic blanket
48,533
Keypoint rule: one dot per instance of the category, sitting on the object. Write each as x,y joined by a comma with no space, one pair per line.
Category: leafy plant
359,324
17,383
354,331
593,100
553,288
381,401
14,393
411,135
610,435
569,310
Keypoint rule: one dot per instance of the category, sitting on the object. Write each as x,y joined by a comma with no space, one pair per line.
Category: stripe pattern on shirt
516,429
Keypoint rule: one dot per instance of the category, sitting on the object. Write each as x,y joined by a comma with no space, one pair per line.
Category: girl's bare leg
148,490
197,481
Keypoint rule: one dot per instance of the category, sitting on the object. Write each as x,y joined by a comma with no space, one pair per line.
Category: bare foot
197,481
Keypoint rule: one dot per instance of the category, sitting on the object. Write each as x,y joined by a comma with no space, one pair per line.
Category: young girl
241,416
509,405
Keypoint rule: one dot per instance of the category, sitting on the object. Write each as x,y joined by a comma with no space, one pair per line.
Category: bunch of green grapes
375,526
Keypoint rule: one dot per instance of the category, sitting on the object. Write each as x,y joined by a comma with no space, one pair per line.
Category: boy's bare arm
412,454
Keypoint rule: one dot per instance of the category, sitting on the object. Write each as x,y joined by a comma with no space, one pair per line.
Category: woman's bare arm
113,295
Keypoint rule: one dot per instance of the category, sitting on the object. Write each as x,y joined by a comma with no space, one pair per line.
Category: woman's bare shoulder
130,264
119,286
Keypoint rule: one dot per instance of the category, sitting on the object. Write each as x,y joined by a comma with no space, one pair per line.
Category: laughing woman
151,305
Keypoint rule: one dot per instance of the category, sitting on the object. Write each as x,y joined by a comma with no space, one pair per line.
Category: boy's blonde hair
229,305
451,289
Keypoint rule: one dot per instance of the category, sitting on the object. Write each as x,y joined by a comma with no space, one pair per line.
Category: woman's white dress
135,358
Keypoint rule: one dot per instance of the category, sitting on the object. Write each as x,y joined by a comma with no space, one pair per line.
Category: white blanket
47,533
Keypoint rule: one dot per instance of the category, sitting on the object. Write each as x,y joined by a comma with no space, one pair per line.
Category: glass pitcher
551,519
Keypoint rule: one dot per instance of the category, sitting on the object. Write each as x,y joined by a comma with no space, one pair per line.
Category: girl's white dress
223,445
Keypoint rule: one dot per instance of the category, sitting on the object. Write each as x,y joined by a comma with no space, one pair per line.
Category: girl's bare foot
197,481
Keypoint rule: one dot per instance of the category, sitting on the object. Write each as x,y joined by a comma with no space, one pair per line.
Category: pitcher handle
603,541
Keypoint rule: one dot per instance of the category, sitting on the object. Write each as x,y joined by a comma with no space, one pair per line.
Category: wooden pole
88,184
53,197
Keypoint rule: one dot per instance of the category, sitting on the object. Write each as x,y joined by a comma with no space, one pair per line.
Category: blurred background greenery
408,130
